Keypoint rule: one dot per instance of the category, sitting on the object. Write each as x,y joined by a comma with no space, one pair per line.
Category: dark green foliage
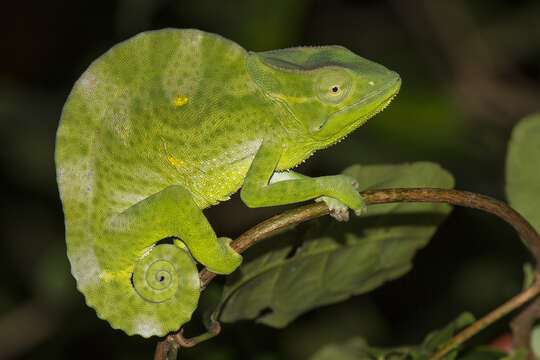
327,262
523,169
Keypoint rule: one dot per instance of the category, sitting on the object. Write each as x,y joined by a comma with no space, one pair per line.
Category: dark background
470,70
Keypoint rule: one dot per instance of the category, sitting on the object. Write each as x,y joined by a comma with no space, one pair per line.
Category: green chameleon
171,122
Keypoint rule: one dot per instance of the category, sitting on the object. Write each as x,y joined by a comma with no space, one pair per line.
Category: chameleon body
170,122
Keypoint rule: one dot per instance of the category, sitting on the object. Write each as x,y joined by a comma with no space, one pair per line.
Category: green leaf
356,348
483,353
439,337
535,341
520,354
328,262
528,275
523,169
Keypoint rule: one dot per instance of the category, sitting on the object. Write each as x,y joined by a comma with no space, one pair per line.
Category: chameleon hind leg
172,212
152,290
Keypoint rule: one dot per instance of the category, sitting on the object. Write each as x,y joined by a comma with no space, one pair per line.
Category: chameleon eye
334,90
333,85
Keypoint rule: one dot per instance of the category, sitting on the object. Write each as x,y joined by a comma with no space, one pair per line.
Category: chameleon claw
338,210
362,210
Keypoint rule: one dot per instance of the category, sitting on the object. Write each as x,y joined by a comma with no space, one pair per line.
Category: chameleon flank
173,121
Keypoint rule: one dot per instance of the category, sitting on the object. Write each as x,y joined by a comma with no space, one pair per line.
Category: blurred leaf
327,263
520,354
208,302
358,349
528,275
439,337
133,16
483,353
535,341
354,349
420,111
53,281
264,25
523,169
27,134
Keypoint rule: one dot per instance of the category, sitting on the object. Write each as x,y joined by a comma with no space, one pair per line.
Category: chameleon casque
173,121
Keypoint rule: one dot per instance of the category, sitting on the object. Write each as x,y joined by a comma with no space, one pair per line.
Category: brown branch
490,318
167,349
465,199
522,324
372,197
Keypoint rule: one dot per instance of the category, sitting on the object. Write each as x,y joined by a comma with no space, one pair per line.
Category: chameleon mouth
390,90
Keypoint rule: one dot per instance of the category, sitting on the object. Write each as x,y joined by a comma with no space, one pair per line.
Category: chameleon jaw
339,123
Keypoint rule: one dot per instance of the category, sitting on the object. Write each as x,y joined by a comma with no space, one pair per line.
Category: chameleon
172,121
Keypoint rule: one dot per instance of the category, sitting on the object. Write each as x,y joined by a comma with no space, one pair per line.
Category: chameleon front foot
338,209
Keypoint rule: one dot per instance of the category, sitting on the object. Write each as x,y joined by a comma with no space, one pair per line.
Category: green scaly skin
170,122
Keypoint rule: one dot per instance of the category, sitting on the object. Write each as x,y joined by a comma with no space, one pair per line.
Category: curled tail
153,297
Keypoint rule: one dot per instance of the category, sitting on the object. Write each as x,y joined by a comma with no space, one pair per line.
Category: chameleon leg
144,289
172,212
259,190
338,209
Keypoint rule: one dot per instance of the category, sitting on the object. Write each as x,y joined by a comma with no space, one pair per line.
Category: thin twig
371,197
490,318
167,349
522,324
465,199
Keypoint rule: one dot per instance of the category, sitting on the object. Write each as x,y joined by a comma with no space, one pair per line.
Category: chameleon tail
156,298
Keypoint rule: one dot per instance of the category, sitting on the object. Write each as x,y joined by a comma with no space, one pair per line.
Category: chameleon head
328,90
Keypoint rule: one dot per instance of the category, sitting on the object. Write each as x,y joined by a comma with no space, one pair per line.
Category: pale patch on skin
146,326
292,99
182,65
85,183
93,87
125,199
87,270
121,124
89,82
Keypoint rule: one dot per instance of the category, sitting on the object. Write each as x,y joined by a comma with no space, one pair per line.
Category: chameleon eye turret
170,122
333,85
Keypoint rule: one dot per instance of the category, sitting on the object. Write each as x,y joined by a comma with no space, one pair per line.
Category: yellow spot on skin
175,162
291,99
180,100
108,276
371,83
